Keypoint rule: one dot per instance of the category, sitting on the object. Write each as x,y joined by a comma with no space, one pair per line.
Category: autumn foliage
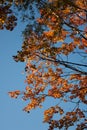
55,52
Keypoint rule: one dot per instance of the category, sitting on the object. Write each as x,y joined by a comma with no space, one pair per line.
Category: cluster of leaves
8,8
68,120
54,46
7,18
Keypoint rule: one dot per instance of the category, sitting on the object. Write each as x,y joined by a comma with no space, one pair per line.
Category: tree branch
64,63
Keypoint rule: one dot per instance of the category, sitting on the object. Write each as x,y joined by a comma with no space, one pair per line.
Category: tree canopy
55,51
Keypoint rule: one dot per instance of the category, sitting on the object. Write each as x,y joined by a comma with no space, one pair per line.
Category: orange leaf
14,94
84,41
49,33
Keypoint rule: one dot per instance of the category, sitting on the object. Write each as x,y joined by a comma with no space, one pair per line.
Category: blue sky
12,78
